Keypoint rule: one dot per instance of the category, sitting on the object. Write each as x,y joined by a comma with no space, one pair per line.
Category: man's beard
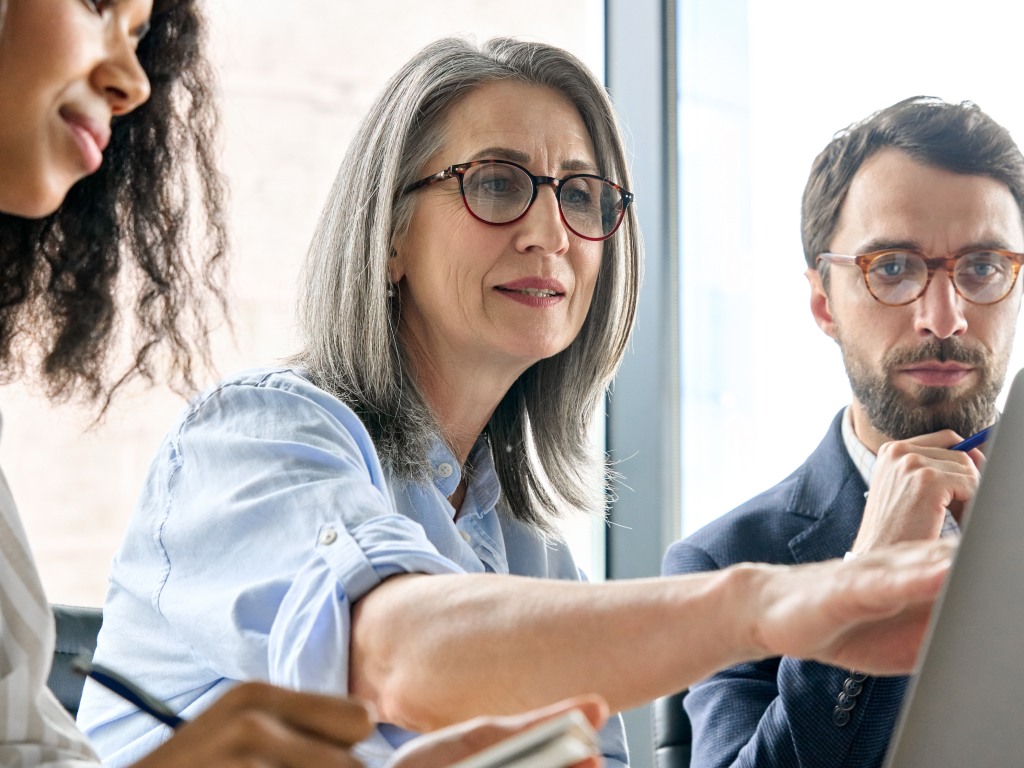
901,415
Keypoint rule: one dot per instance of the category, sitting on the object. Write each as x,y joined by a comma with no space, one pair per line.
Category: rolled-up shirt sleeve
275,520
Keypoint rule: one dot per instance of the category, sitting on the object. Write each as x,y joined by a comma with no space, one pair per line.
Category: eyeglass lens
499,193
900,277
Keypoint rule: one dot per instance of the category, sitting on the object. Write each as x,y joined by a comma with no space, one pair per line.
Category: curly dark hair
125,236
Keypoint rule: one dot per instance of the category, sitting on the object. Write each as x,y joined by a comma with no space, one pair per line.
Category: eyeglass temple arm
447,173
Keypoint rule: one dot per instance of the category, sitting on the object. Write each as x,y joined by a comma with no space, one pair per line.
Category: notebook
966,705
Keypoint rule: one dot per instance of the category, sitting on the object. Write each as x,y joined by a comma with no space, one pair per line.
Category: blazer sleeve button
840,716
851,687
845,702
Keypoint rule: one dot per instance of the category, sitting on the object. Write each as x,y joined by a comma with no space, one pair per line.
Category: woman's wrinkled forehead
522,118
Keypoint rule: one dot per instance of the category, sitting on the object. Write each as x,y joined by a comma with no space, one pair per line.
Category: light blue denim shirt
264,517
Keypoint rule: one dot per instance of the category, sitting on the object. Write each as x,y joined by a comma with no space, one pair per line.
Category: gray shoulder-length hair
539,430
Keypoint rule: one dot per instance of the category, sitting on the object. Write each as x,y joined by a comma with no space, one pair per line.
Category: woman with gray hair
375,519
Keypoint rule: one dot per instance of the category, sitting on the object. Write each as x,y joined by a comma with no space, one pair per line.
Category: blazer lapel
831,496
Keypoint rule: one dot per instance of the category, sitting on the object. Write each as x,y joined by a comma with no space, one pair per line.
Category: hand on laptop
868,614
913,482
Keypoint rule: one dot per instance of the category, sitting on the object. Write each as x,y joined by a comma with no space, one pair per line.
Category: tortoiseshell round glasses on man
500,192
899,276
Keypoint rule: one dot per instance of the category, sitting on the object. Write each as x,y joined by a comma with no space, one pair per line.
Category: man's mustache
941,350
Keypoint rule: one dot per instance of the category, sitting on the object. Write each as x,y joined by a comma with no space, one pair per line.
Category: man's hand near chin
913,483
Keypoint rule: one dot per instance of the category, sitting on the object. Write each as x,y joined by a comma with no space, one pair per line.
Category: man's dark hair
955,137
122,237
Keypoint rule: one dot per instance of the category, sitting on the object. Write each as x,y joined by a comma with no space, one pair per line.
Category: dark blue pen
127,690
973,441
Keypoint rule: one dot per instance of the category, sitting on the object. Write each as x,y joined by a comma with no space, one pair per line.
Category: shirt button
445,470
465,536
328,536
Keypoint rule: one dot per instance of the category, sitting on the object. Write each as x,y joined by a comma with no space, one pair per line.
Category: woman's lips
533,291
91,136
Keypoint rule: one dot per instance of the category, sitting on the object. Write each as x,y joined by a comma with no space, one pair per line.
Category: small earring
391,290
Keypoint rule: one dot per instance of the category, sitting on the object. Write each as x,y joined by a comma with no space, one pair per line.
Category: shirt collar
444,467
861,455
482,478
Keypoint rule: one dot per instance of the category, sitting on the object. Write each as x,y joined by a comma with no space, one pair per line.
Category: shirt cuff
376,550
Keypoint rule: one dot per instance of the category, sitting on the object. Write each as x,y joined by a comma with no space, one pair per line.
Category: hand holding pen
974,440
260,724
913,483
252,724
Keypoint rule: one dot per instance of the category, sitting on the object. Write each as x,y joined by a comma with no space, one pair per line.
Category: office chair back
77,628
672,734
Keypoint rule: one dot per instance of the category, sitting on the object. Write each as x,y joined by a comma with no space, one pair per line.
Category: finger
592,706
459,741
265,738
907,456
913,571
978,457
944,438
246,738
341,720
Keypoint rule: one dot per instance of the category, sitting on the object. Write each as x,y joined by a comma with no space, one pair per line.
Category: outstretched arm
432,650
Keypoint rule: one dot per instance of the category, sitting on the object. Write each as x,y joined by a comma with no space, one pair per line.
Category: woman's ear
821,306
396,264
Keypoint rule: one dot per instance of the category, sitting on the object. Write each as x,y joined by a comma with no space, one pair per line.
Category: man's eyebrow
888,244
881,244
516,156
986,245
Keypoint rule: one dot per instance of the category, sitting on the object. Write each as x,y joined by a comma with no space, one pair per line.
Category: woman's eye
496,185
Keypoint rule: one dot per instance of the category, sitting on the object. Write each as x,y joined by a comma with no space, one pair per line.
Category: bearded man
912,232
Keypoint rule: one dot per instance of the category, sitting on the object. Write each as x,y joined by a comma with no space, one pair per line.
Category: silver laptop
966,706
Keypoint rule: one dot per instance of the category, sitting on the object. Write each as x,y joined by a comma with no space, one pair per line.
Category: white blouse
34,728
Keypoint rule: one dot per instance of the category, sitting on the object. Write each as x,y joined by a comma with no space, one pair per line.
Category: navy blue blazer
786,712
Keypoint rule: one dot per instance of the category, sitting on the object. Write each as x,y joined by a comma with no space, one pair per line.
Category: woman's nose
542,226
119,76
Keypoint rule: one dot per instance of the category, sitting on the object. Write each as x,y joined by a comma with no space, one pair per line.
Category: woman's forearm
432,650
